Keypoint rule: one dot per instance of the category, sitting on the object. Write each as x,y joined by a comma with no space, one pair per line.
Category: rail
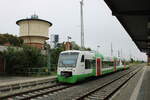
10,87
105,91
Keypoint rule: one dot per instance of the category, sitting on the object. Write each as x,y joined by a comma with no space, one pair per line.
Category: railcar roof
94,53
112,58
71,51
97,55
108,59
78,51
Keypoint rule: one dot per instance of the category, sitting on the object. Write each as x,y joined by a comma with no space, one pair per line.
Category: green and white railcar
74,65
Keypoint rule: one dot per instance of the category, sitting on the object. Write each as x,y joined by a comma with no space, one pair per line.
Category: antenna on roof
34,16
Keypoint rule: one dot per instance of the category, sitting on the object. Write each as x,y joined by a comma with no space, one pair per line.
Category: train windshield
68,59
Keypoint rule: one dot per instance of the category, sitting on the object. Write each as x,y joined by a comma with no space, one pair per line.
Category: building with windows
54,40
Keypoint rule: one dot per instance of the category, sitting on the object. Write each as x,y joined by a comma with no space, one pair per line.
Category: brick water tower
34,31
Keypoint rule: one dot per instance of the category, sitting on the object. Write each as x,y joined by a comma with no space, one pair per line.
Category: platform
6,80
144,92
138,88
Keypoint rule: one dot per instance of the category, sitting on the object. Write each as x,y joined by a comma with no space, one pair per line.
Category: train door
81,69
98,67
115,65
124,63
1,65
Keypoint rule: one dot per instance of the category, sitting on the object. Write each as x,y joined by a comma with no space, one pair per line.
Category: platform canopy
134,15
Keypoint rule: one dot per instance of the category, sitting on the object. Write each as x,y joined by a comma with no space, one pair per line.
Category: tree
87,49
13,40
55,54
132,60
75,46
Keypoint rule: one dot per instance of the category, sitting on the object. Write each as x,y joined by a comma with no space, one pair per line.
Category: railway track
99,92
105,91
14,88
36,92
25,84
76,92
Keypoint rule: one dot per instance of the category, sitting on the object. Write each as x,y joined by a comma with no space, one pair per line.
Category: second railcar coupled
74,65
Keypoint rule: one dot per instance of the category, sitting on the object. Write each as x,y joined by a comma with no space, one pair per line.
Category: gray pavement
5,80
144,93
126,92
138,88
13,78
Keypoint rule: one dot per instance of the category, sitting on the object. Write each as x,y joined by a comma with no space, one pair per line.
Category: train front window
68,59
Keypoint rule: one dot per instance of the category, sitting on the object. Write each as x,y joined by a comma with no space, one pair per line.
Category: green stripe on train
80,77
107,71
74,78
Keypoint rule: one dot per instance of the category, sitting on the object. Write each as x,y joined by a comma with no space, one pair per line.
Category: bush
25,57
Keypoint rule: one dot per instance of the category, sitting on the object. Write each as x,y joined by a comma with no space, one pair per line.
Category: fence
26,71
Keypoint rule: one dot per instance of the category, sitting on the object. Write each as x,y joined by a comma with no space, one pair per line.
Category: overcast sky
101,28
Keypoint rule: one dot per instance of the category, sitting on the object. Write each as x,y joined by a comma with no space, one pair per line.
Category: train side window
88,64
93,63
82,58
107,64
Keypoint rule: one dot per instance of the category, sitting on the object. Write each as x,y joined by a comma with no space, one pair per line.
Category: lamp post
48,58
82,24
